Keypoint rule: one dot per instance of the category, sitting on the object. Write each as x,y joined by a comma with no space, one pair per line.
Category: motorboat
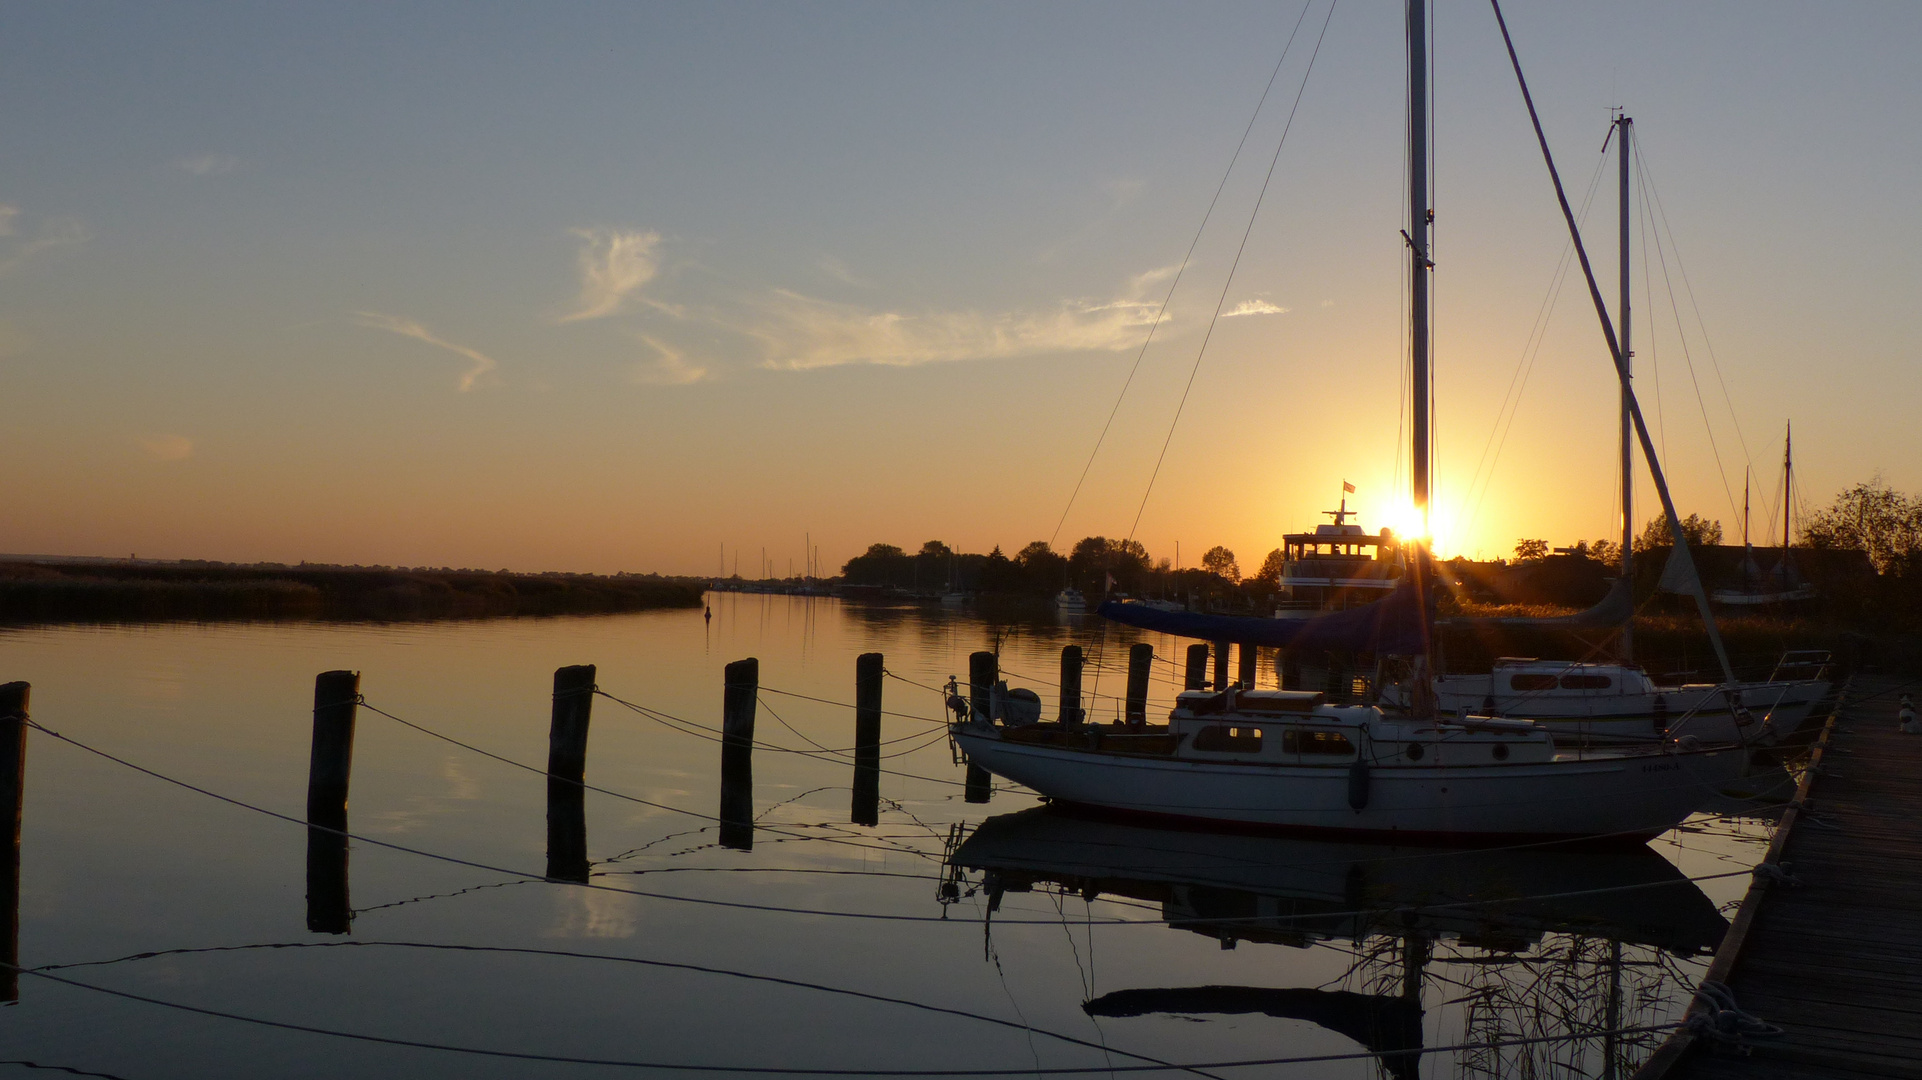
1069,601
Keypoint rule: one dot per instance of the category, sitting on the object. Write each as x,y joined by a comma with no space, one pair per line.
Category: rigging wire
1159,315
1232,267
1688,358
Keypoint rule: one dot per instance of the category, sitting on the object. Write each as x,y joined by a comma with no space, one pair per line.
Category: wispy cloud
168,447
207,164
669,367
839,271
1254,307
614,264
53,233
394,324
799,332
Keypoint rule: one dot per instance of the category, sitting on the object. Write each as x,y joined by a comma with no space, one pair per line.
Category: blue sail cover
1396,624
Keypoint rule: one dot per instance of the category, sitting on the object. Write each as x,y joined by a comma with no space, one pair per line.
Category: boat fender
1358,786
1907,718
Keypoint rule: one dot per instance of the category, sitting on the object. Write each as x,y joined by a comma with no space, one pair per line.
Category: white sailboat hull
1615,796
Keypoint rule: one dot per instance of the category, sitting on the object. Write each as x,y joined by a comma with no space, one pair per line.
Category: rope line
601,957
1232,267
763,1070
1182,269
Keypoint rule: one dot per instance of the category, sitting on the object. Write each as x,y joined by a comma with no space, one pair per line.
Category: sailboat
1292,760
1613,700
1782,584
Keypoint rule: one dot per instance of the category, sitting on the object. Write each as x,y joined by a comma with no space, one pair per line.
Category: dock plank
1835,961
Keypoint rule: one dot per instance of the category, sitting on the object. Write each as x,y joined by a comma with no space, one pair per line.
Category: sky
650,287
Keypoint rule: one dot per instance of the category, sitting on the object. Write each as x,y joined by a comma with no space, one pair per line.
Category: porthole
1500,751
1414,751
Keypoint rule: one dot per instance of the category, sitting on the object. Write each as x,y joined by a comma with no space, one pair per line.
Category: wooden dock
1835,959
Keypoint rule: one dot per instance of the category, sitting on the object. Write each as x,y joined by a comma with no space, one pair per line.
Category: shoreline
57,593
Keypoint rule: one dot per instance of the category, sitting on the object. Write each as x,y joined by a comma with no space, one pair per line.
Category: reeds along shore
58,592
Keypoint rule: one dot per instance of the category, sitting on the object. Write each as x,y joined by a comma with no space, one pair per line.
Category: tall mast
1788,484
1419,216
1623,128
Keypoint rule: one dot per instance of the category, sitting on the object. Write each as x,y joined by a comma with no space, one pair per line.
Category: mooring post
743,678
567,731
1288,669
1221,665
1141,656
1072,715
983,669
1246,655
567,773
329,767
868,672
1195,677
742,691
13,784
336,699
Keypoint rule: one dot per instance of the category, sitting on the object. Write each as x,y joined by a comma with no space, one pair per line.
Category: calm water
1108,945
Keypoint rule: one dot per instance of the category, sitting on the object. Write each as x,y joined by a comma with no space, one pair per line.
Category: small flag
1111,582
1347,488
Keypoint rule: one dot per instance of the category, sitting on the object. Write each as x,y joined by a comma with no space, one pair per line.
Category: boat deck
1836,960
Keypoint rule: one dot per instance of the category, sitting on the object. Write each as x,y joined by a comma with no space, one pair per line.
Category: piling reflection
1528,942
566,831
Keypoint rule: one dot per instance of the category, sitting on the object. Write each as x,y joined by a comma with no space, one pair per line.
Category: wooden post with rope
1246,655
567,773
329,768
1141,656
1071,713
1196,675
868,672
983,669
1221,665
741,692
13,784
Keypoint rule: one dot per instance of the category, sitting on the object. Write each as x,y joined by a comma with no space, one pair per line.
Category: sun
1402,517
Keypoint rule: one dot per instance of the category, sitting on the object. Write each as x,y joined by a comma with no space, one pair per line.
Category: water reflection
1523,942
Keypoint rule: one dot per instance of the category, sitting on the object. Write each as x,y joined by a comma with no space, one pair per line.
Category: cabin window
1528,684
1315,742
1222,739
1586,682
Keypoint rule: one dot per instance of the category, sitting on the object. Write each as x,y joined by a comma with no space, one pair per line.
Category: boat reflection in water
1522,943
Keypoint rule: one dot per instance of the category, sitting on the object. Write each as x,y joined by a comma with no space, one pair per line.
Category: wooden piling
331,762
743,678
330,766
567,772
1221,665
983,669
567,731
13,782
1246,656
742,691
1196,676
868,672
1141,656
1072,715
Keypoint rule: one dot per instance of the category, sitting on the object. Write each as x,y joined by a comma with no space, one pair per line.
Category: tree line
1095,565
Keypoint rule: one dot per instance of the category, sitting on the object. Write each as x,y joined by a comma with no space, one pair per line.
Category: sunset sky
605,287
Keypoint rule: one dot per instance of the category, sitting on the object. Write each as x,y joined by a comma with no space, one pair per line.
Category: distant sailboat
1782,584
